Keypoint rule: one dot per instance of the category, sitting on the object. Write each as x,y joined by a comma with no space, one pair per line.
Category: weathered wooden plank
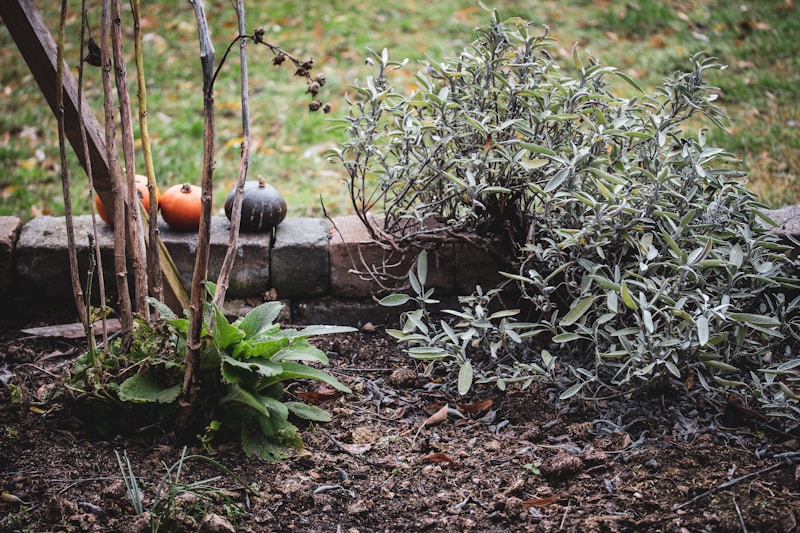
38,48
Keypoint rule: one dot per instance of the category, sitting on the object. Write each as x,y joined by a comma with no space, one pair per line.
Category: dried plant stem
198,290
98,259
236,210
153,262
134,226
77,291
117,184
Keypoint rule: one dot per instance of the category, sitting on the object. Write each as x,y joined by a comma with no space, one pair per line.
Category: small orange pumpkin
180,206
144,197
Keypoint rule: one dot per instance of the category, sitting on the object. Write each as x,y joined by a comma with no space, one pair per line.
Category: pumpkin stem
186,188
261,181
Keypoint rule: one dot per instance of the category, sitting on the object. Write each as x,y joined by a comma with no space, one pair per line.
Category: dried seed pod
258,35
313,88
314,105
308,65
279,59
93,57
301,72
321,79
327,108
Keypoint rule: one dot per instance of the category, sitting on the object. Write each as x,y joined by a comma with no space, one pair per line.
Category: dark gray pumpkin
263,207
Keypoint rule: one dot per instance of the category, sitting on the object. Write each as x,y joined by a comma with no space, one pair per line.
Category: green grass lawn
649,39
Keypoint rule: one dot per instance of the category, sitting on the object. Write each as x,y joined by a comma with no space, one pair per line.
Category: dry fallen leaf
476,407
436,418
319,397
438,457
539,502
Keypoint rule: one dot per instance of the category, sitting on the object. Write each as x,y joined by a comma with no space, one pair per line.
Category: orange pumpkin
180,206
144,197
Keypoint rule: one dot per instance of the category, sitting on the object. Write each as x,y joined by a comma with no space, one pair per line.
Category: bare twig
133,219
198,291
731,483
94,242
236,209
739,514
77,291
117,184
153,261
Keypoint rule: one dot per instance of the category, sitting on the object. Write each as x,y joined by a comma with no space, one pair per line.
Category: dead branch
94,242
198,291
77,291
236,210
117,184
134,222
153,260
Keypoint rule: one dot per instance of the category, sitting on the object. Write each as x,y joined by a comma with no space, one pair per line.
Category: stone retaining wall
310,265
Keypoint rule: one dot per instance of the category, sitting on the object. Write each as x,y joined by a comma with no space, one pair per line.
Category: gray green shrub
637,247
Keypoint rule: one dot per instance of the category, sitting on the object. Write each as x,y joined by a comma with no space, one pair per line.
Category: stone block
354,254
42,256
299,260
787,220
9,233
250,274
474,266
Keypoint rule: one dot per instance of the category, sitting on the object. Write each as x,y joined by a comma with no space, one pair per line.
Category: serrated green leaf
314,331
242,397
301,351
147,388
259,318
225,334
291,370
257,365
256,444
308,412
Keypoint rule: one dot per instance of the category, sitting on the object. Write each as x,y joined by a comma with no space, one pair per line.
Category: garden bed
513,461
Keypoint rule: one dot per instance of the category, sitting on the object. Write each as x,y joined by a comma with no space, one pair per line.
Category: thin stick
739,514
95,243
134,226
77,291
198,291
117,185
153,261
236,210
730,483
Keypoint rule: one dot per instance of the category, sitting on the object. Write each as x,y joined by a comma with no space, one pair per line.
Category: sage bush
637,248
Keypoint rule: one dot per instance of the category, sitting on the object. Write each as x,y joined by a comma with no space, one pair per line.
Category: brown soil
514,461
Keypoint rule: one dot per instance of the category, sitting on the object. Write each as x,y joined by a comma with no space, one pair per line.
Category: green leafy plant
491,339
637,246
533,468
164,503
244,365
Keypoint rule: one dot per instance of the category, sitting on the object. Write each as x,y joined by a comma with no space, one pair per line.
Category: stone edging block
9,235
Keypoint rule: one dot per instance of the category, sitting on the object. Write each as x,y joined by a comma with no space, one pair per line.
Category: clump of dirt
391,460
